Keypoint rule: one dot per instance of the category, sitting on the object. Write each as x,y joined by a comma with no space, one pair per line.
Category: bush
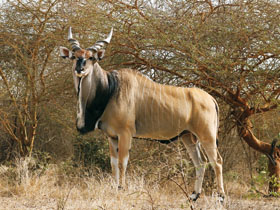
92,152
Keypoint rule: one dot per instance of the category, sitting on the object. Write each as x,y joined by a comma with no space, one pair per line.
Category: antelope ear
65,53
99,54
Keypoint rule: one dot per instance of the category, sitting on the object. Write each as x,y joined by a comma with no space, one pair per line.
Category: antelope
126,104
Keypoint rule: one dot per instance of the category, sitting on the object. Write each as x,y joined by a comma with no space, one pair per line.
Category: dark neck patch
96,107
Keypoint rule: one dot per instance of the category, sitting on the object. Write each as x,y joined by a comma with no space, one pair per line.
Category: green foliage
92,152
42,160
262,164
262,178
274,183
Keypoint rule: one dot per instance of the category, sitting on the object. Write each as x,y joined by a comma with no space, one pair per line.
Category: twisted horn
74,43
101,43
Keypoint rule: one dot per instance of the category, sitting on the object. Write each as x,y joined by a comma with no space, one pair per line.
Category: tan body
142,108
152,110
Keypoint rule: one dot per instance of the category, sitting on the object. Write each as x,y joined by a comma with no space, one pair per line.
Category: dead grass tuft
55,190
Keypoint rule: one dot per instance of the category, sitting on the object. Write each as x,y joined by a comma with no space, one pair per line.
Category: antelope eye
91,58
73,57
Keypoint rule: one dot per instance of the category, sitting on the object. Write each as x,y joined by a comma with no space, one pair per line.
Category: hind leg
216,161
193,148
210,147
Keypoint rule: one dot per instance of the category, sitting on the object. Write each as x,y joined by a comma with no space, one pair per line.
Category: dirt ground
47,203
54,190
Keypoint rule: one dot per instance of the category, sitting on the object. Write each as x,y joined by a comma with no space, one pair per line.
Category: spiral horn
101,43
74,43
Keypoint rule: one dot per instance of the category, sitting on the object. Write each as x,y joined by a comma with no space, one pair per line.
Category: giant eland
126,104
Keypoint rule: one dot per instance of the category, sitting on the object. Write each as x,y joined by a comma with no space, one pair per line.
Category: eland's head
89,80
84,59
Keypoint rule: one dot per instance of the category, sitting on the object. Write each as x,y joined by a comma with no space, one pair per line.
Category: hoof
120,187
221,198
194,196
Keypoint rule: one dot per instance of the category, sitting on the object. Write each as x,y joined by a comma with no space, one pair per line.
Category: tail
217,126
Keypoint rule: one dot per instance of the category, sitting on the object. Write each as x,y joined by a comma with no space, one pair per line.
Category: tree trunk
273,153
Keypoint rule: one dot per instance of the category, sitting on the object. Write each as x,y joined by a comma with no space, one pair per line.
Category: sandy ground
54,190
42,203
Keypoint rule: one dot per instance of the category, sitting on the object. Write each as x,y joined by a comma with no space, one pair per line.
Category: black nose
79,70
82,130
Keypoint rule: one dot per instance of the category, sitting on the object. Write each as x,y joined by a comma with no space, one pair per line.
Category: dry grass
20,188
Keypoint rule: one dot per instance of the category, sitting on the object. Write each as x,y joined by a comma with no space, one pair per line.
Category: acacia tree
33,78
229,48
28,35
26,52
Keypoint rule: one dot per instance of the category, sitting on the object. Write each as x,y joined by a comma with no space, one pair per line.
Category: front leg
124,146
113,144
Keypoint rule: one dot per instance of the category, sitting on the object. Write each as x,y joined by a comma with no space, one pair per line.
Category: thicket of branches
229,48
